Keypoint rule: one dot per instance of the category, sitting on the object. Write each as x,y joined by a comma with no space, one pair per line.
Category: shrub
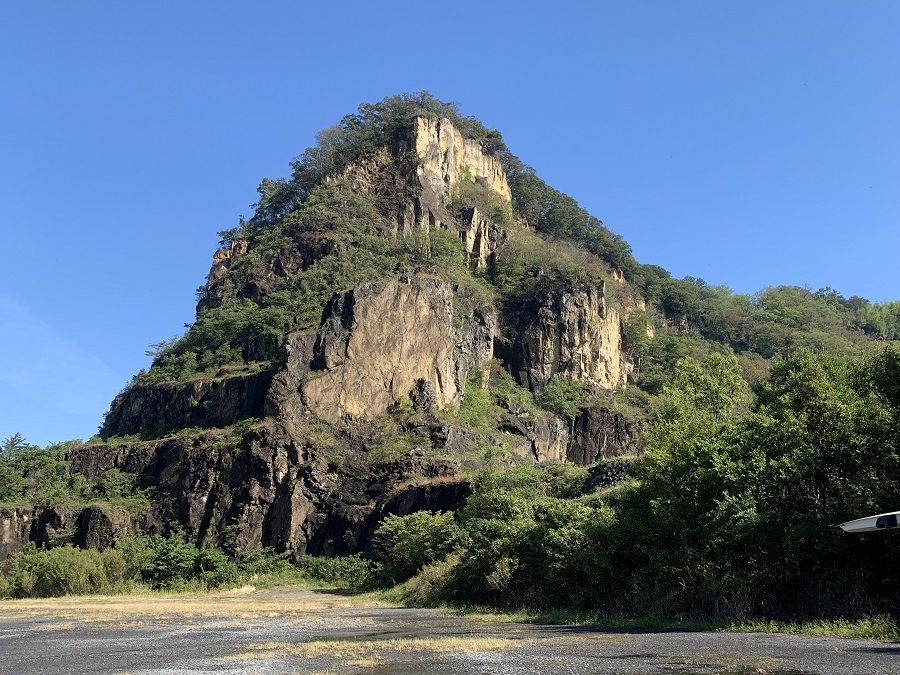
351,572
478,409
65,571
563,397
403,545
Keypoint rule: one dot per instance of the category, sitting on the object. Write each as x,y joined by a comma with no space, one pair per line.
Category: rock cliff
366,412
378,342
570,333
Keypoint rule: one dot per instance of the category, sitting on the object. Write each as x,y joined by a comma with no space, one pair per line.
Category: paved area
290,630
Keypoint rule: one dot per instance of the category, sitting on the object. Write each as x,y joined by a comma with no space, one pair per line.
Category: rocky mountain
360,348
413,304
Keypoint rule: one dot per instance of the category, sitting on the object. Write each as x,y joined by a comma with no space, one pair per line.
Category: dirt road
289,630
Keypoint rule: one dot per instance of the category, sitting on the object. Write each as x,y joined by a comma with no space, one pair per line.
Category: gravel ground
327,635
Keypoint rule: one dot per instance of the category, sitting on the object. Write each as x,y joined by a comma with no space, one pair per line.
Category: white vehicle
883,521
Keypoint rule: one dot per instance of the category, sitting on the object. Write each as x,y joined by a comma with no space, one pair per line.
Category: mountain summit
411,305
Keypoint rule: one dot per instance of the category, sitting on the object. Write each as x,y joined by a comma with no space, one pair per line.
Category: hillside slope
414,306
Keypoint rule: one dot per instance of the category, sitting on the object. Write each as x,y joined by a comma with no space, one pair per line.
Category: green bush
65,571
403,545
563,396
352,572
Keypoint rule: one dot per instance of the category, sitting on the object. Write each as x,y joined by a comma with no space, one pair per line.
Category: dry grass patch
241,603
367,662
368,650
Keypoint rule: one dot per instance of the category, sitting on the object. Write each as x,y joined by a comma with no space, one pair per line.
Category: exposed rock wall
599,432
154,409
381,339
277,484
422,169
15,527
571,333
545,437
446,157
101,525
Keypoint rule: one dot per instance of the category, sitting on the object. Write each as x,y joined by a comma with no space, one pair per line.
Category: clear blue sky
749,143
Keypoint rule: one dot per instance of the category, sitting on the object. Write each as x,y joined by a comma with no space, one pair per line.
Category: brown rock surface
571,333
378,340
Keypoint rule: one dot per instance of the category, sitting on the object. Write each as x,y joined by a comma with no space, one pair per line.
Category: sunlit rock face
569,333
379,341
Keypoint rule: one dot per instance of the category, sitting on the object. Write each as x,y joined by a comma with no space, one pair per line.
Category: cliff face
354,418
422,188
156,409
380,342
446,157
570,333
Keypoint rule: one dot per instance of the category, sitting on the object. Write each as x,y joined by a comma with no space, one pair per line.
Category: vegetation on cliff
731,513
768,418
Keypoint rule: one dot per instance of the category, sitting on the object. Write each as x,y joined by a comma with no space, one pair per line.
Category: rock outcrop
282,487
154,409
446,157
545,437
381,341
424,188
381,368
570,333
101,525
15,529
600,432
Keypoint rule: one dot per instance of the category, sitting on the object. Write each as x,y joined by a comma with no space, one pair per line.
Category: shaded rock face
51,526
154,409
438,496
599,433
545,438
15,528
270,487
571,333
607,473
385,340
100,526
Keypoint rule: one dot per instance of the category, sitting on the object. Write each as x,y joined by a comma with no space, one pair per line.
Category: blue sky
749,143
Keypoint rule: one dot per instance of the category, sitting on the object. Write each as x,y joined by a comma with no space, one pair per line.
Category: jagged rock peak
446,157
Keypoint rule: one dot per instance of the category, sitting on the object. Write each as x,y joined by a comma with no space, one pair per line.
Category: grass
246,602
878,627
368,649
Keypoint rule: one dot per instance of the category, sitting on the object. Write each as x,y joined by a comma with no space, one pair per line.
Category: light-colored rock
432,158
378,340
15,525
480,236
571,333
446,157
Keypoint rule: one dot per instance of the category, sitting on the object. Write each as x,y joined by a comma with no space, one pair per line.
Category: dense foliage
731,513
33,476
164,563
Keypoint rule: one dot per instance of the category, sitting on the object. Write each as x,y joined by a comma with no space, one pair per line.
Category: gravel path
295,631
